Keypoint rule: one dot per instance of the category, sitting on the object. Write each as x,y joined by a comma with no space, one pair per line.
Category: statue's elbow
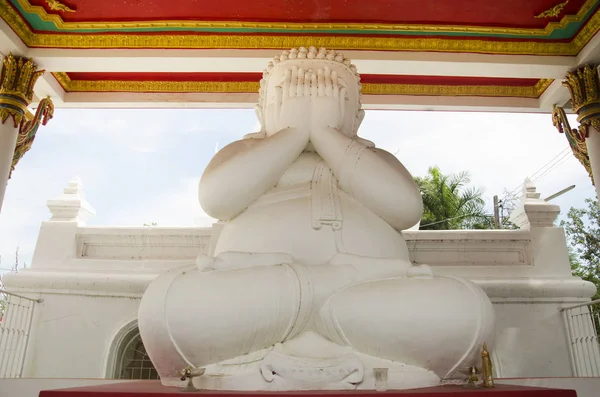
214,204
407,213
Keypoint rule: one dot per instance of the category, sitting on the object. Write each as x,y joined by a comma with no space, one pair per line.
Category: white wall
74,334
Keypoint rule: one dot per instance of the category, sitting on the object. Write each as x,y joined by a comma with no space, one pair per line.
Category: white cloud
177,206
499,150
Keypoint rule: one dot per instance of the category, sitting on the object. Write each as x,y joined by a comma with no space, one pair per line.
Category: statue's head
310,59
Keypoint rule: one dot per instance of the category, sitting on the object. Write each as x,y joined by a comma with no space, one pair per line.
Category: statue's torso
308,216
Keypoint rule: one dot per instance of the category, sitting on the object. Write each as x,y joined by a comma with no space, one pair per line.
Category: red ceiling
365,78
506,13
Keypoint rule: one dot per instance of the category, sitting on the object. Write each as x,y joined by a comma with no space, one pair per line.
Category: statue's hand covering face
302,76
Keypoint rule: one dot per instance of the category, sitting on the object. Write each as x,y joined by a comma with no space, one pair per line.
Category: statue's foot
311,362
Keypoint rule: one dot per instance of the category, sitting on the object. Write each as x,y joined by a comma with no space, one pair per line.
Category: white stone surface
532,210
593,147
310,256
71,206
8,141
87,300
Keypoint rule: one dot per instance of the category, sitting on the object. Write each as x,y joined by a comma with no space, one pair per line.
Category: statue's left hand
327,100
293,98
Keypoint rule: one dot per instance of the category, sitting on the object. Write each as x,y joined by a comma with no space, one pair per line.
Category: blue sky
141,166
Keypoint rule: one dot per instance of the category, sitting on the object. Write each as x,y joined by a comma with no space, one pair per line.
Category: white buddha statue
311,285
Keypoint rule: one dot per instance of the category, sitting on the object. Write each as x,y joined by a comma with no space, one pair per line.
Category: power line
561,153
564,159
448,219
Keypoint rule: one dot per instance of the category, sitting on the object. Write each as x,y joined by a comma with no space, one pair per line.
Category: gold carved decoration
584,86
461,90
28,129
253,87
183,24
57,6
341,42
576,138
486,368
554,11
17,80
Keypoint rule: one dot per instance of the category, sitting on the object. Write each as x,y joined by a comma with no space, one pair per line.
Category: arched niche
127,357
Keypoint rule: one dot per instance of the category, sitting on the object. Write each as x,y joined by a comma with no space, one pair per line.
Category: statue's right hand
293,98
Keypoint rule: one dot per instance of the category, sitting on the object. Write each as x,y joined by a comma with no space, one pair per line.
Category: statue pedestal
154,389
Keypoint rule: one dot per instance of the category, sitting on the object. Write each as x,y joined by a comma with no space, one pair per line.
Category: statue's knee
217,315
407,319
154,329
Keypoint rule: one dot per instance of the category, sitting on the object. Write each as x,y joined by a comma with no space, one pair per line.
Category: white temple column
584,85
593,147
18,127
8,141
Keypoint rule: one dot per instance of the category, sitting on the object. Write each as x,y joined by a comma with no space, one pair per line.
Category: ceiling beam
10,42
591,52
367,62
248,100
47,85
555,94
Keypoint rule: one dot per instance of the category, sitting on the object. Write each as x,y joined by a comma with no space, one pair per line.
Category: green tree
582,228
450,203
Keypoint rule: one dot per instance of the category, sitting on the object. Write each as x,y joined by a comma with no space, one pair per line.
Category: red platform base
153,388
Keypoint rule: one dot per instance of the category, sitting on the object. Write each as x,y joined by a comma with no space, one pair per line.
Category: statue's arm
373,176
245,170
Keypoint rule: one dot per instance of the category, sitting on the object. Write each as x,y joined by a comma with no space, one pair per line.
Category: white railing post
15,327
569,332
582,322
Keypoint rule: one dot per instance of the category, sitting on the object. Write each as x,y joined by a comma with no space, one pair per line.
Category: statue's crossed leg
230,311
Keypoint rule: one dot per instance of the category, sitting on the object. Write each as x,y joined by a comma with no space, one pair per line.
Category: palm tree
449,203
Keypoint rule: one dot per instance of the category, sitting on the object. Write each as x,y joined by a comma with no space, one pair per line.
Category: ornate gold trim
154,86
546,31
576,138
17,79
462,90
45,40
28,129
554,11
57,6
584,86
252,87
284,42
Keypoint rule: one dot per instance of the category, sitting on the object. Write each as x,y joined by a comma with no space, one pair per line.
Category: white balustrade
582,322
15,325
